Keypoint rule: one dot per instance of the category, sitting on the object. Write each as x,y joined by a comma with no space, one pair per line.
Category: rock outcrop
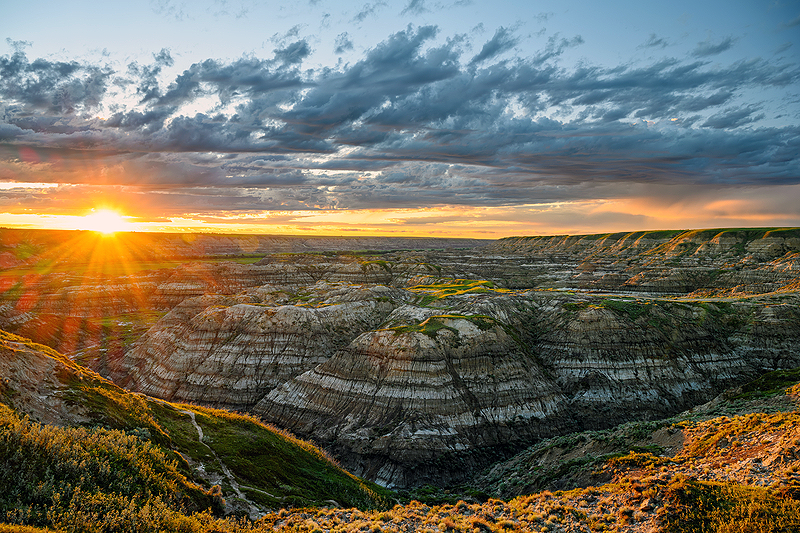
396,401
231,351
431,396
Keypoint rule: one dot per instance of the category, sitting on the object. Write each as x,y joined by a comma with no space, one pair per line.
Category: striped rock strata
396,401
434,395
231,351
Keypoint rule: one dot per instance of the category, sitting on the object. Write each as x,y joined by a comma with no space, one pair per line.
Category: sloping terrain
74,446
730,465
500,375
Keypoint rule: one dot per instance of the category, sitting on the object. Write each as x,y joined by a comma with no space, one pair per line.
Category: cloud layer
420,121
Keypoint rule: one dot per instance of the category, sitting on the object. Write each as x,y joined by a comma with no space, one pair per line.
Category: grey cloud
291,33
367,10
294,53
431,129
502,41
556,46
9,132
708,48
148,86
164,58
343,43
733,118
148,122
654,42
52,86
414,7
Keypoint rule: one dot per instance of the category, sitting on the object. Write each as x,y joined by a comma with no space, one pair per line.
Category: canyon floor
636,382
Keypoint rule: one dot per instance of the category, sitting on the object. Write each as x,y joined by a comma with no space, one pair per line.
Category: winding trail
225,470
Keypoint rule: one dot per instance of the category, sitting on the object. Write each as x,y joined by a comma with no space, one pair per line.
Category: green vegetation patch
434,292
117,409
632,309
70,478
625,307
432,325
770,384
272,465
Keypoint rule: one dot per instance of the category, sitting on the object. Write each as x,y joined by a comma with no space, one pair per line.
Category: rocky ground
699,471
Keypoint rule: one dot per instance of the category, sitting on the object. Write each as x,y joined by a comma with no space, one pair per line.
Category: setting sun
105,221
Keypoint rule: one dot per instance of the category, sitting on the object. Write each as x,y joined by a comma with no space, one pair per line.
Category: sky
448,118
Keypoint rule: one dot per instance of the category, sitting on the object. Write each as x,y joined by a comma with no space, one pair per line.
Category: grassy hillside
136,463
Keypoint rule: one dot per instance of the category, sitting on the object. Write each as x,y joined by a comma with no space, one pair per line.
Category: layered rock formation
672,262
230,351
432,396
396,401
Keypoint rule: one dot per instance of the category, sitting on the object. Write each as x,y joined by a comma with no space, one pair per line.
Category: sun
105,221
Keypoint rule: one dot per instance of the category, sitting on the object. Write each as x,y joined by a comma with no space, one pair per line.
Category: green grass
770,384
294,472
135,461
63,477
428,294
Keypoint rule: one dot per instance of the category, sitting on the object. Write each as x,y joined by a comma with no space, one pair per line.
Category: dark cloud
502,41
52,87
709,48
413,122
294,53
733,118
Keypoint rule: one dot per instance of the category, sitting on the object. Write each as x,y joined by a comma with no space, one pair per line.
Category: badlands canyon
418,361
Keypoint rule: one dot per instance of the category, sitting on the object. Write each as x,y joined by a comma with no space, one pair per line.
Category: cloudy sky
418,117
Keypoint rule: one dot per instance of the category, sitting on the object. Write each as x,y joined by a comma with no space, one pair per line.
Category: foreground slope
141,455
730,465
